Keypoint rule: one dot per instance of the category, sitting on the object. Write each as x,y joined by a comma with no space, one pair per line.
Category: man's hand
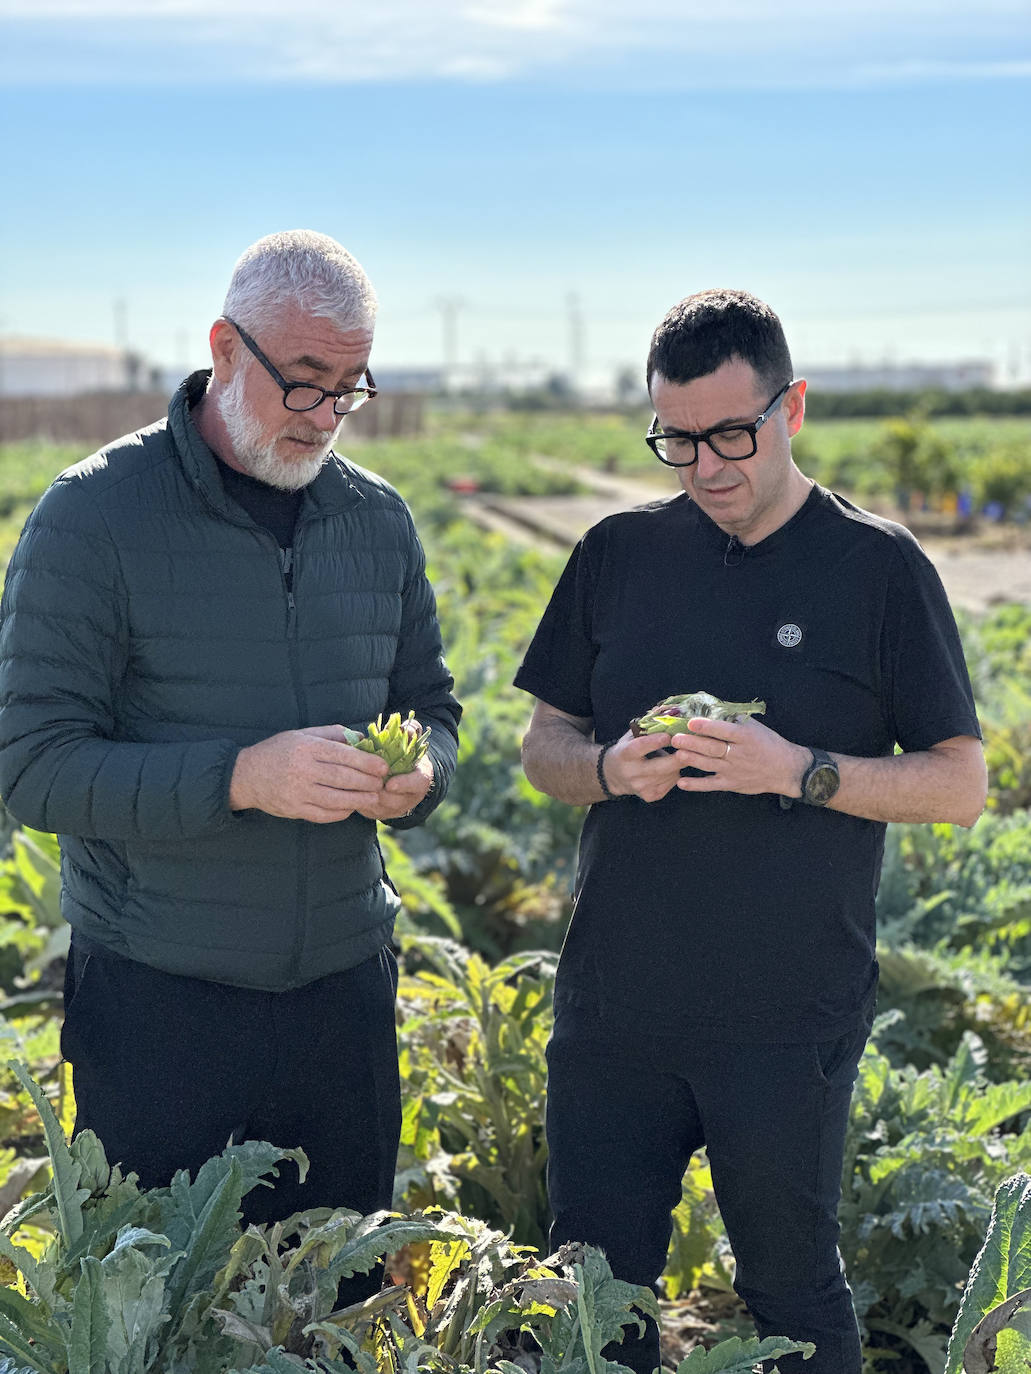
947,782
640,767
739,756
310,775
401,793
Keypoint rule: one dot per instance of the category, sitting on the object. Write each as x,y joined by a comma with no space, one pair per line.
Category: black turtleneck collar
330,492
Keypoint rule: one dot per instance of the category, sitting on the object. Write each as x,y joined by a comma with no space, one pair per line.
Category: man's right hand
307,775
639,766
560,757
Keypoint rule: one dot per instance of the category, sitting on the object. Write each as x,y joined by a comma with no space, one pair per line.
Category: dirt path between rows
979,569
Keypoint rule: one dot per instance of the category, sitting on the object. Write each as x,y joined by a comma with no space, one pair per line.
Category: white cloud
672,43
529,15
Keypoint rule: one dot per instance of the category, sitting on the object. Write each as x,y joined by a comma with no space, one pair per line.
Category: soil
701,1319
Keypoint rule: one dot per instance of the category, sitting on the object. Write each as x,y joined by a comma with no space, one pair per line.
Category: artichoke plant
671,715
401,747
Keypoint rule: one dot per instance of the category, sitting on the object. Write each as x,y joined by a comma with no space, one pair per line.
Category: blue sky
864,167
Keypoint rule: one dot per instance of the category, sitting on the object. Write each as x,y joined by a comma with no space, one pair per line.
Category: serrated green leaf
68,1196
737,1356
13,1341
251,1247
994,1104
927,1199
31,1321
132,1237
256,1161
207,1246
486,1315
26,1263
324,1238
232,1324
928,1341
370,1243
1002,1267
606,1306
87,1343
106,1216
134,1291
445,1257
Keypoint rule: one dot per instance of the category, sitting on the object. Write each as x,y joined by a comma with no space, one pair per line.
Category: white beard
257,455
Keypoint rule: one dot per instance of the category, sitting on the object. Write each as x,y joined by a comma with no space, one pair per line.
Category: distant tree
628,386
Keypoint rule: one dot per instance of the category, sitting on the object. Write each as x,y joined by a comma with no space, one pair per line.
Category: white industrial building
53,367
961,376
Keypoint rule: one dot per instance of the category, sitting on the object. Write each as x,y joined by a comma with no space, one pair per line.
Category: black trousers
626,1112
166,1070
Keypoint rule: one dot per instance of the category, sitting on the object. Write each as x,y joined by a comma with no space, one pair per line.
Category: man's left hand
739,756
401,793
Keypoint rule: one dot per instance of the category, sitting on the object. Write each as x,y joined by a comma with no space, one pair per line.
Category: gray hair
302,267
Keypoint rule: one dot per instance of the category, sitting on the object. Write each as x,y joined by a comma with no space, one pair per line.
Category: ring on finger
727,750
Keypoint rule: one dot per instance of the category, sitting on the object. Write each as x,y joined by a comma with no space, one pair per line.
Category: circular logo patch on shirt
789,635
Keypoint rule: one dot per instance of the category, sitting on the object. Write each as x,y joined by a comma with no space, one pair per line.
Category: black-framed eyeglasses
304,396
732,442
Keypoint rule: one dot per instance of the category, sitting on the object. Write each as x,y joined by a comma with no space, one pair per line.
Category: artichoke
401,748
671,715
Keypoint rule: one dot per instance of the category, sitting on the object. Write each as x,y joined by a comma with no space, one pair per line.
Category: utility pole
576,341
449,307
130,364
182,353
120,311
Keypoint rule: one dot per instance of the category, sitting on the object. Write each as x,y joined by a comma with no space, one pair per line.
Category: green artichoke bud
401,748
672,714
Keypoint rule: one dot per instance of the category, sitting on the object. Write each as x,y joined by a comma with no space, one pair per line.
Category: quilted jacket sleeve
64,642
420,680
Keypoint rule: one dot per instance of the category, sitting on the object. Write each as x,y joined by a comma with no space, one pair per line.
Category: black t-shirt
718,913
272,508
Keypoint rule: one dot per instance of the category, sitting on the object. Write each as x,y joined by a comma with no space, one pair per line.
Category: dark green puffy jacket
146,636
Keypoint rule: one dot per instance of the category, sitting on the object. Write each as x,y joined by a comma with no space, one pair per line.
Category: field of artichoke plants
936,1212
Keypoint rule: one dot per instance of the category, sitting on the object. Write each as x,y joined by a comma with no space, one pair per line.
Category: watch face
821,784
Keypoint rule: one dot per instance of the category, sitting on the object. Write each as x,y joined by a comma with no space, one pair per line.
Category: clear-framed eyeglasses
303,395
678,448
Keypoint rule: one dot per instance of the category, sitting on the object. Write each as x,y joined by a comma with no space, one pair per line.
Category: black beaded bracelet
609,795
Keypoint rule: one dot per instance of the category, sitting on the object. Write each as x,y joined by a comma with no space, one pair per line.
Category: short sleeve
929,692
559,663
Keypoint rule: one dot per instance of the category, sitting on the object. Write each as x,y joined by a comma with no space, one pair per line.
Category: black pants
167,1069
625,1114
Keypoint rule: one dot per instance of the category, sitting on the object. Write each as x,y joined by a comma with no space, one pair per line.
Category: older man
191,618
717,982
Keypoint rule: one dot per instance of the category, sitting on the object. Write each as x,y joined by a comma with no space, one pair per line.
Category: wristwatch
821,779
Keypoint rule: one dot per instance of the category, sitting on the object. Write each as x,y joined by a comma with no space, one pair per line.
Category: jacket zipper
287,560
287,566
